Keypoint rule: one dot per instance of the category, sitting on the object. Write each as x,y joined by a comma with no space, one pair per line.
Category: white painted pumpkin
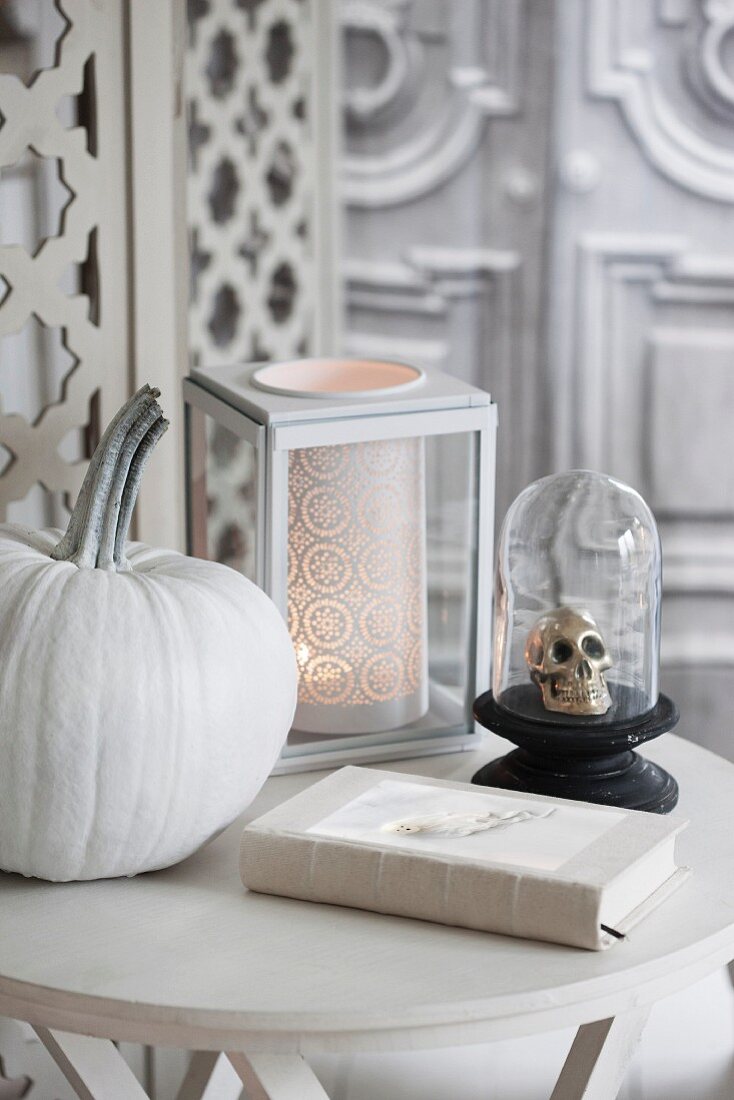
142,704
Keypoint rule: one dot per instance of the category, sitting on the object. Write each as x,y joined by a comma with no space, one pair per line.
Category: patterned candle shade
359,495
357,585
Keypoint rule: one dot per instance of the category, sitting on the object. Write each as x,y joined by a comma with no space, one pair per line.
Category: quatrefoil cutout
42,219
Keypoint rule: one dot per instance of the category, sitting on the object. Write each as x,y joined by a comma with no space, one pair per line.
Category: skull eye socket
593,646
561,651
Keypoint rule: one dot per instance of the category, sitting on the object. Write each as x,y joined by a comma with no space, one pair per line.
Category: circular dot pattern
356,571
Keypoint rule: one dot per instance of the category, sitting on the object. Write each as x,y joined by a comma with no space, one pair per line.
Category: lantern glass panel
451,516
223,498
381,587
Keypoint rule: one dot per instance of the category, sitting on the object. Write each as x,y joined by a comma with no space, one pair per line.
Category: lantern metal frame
276,423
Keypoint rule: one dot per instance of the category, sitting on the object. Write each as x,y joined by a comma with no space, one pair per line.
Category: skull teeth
568,696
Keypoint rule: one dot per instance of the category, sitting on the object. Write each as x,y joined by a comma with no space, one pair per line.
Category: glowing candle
356,559
357,584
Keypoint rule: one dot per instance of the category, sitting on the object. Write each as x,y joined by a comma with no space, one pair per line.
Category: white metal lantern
359,495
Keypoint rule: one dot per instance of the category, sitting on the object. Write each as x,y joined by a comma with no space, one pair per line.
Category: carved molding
482,81
402,57
672,13
437,285
604,261
668,273
613,271
628,77
689,378
694,650
629,340
698,564
706,66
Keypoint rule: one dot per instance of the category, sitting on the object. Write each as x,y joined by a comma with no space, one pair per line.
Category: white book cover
468,824
484,858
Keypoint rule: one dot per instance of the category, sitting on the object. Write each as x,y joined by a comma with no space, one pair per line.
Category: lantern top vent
352,379
329,389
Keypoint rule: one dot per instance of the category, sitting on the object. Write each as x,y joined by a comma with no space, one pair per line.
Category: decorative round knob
521,186
580,171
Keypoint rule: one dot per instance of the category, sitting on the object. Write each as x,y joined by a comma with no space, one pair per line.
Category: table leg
13,1090
210,1075
277,1077
599,1057
94,1068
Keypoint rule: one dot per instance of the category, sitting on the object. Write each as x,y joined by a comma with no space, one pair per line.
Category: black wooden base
596,764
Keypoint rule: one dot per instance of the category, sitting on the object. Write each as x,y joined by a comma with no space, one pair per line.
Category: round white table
186,957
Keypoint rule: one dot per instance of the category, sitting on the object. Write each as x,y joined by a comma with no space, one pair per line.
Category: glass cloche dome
577,611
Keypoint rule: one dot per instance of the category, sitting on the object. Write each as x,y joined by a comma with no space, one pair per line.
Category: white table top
186,957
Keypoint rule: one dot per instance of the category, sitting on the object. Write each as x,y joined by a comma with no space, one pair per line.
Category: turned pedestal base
586,761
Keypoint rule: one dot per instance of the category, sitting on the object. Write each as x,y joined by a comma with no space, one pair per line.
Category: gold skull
567,658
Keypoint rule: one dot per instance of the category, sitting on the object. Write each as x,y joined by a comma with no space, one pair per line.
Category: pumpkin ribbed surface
140,711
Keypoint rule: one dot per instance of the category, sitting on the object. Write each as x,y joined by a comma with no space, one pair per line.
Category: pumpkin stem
70,541
90,536
132,487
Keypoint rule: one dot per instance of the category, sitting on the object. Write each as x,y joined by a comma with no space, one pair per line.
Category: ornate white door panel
641,291
446,113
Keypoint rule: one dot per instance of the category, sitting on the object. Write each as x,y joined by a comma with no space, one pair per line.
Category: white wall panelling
557,228
446,125
641,294
632,69
479,78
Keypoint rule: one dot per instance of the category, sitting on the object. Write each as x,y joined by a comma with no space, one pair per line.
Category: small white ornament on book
455,825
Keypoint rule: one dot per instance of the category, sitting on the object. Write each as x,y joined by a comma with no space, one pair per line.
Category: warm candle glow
330,377
356,586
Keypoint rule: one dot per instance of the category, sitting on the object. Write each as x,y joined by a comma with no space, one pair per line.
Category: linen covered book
481,858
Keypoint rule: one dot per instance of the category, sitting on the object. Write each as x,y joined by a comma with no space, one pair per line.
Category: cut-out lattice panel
82,250
251,188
